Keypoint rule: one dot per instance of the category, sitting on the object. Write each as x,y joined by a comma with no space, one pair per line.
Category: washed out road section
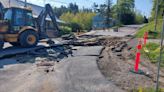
79,73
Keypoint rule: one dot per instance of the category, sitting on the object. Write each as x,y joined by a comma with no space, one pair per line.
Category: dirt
117,65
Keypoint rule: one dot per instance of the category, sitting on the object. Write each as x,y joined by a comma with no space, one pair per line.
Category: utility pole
108,13
160,56
9,2
156,15
25,3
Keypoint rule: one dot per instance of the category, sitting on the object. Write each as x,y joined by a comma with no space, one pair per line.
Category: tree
82,19
102,9
105,10
59,11
125,10
73,8
146,19
160,9
139,18
95,7
108,13
86,10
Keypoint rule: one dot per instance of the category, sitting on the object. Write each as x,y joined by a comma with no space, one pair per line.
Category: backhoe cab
18,27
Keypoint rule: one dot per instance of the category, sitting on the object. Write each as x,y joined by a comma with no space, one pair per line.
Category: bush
75,27
139,18
82,20
65,30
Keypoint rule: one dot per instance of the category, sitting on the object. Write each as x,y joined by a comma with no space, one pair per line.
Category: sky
144,6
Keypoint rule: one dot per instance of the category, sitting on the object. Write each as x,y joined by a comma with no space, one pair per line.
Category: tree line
123,12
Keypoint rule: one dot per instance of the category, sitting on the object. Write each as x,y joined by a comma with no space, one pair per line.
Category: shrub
65,30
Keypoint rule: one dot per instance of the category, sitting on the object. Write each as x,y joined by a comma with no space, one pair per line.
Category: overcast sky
144,6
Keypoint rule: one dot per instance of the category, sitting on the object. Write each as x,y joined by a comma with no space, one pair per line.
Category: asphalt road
122,31
74,74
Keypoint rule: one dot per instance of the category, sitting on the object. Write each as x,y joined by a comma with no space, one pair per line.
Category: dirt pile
117,61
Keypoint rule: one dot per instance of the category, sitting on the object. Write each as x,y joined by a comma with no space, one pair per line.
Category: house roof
35,8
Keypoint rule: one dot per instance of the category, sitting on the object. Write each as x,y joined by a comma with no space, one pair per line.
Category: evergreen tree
108,13
126,11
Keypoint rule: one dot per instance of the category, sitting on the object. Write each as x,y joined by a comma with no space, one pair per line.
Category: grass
153,54
147,90
150,28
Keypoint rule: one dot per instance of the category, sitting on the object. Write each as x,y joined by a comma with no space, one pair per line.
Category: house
36,10
99,22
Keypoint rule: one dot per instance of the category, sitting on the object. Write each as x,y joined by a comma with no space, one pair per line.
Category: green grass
150,28
147,90
153,54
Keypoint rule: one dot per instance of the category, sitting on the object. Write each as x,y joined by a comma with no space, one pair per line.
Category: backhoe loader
18,27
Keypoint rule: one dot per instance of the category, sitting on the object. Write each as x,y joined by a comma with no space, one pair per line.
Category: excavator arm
41,21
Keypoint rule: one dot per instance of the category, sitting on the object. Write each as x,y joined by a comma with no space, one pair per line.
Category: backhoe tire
16,44
28,38
1,45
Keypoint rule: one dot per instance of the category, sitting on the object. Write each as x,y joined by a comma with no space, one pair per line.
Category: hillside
150,27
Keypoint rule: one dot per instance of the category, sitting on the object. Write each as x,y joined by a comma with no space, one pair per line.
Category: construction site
36,57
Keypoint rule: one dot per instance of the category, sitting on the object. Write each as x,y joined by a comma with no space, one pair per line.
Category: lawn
150,28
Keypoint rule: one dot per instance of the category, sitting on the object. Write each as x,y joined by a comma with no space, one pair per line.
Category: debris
116,63
45,63
119,54
101,56
69,37
47,70
119,49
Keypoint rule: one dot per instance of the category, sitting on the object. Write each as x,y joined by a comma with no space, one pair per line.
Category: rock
45,63
118,49
112,48
119,54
